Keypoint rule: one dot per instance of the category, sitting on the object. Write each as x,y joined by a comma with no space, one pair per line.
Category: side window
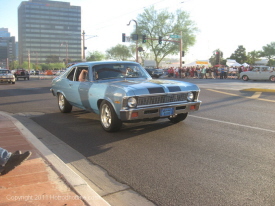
71,74
81,74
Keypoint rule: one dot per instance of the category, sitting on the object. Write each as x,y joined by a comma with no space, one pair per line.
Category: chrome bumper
151,112
7,80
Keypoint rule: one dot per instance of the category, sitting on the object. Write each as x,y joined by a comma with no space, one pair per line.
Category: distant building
7,48
4,32
48,28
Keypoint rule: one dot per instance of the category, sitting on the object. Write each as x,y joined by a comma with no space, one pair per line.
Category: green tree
14,65
25,65
119,52
217,58
253,56
154,23
95,56
239,55
269,52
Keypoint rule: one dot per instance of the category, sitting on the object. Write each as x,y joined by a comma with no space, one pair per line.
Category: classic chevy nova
122,91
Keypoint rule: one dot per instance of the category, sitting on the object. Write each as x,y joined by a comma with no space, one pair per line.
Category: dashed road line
236,95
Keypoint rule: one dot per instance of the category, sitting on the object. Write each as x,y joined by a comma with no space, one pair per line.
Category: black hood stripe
156,90
174,89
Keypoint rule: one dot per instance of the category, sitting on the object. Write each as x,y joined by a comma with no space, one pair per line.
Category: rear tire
63,104
178,118
245,78
108,117
272,78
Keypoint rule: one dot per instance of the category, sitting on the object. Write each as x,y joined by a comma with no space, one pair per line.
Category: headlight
190,96
132,102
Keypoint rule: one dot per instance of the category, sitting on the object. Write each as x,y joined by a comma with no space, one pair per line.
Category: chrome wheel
272,78
63,104
61,101
106,116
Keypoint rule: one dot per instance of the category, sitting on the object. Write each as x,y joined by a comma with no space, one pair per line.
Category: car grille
161,99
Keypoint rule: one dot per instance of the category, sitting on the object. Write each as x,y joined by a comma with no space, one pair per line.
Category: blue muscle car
122,91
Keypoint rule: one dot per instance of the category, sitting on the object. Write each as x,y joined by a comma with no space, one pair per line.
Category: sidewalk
43,179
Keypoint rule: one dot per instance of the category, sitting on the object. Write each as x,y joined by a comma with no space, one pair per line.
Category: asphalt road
224,154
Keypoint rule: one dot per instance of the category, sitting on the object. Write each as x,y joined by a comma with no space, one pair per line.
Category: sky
222,24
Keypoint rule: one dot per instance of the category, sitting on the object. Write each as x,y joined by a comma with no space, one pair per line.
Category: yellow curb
258,90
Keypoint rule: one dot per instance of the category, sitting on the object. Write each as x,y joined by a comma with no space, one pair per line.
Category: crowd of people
203,72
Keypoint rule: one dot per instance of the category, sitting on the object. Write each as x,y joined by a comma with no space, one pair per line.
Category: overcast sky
223,24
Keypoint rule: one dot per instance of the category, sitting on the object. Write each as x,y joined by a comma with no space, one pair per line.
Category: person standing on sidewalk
8,160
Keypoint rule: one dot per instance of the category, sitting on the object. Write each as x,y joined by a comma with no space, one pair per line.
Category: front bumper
152,112
7,80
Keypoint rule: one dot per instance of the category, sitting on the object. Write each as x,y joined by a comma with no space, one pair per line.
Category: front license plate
166,112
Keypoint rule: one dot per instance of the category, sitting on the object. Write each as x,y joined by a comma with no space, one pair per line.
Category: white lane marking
235,124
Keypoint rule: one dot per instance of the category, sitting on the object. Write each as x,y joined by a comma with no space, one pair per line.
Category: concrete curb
259,90
87,194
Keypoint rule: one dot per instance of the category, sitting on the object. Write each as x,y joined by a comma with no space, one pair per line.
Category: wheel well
99,103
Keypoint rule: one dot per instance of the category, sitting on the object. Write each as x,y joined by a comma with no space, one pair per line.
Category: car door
68,86
86,92
254,74
71,87
265,74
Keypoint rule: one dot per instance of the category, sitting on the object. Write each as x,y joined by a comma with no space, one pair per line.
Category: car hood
152,86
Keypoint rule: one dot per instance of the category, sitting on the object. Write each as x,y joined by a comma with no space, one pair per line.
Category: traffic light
182,54
144,38
160,39
123,37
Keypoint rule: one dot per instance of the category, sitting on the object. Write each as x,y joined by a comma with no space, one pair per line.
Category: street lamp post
136,39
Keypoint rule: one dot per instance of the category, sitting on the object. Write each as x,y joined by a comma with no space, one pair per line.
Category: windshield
114,71
4,72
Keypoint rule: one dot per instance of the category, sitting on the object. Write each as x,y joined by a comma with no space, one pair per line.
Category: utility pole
29,60
180,49
83,37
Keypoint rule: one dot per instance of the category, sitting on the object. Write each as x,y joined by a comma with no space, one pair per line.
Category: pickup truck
22,74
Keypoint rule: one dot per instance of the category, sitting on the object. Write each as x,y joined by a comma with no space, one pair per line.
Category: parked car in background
259,73
34,72
155,72
6,76
22,74
123,92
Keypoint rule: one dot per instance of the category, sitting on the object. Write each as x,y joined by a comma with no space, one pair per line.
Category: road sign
174,36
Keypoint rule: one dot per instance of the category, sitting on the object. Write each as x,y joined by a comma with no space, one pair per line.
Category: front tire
63,104
178,118
108,117
245,78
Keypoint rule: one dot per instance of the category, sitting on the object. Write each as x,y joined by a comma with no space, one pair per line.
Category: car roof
105,62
